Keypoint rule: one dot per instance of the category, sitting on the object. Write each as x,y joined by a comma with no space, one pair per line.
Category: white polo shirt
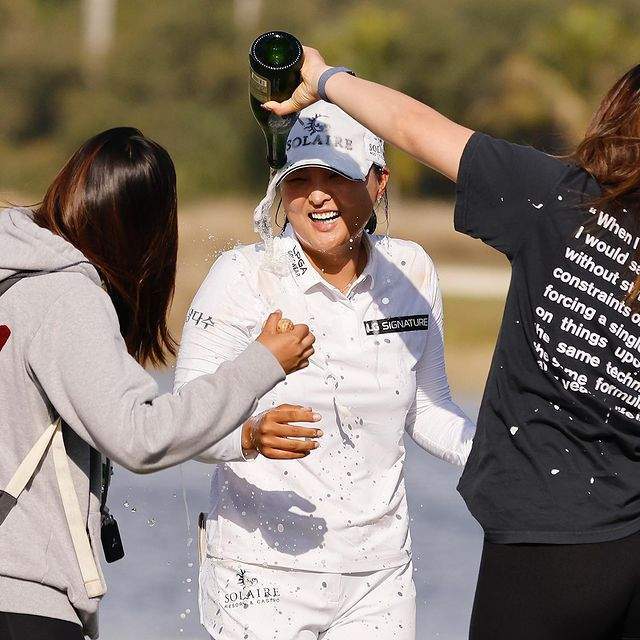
378,370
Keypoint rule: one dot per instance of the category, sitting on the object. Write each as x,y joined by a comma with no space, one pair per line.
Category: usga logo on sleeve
396,325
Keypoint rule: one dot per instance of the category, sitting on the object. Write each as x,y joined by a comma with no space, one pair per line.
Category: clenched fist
292,348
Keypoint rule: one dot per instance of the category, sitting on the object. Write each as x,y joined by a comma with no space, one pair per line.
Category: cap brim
301,164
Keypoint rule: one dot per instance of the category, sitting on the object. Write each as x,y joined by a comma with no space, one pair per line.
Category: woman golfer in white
318,546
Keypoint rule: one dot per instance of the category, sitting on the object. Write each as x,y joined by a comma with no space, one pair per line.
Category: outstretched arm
417,129
80,360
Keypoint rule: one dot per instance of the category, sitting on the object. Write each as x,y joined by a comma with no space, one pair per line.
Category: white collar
307,276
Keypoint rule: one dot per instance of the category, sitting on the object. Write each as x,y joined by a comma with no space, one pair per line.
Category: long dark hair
115,200
610,152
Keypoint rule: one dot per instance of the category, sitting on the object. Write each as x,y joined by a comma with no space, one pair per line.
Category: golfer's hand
307,91
293,348
271,434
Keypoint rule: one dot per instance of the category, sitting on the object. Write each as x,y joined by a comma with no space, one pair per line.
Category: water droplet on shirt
592,480
559,197
513,430
385,300
556,407
151,522
555,472
280,528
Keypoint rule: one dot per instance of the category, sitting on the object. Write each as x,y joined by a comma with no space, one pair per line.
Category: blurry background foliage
528,70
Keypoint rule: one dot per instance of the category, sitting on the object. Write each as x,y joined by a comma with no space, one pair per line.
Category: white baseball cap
325,136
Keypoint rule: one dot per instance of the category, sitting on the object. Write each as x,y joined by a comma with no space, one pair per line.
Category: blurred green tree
529,70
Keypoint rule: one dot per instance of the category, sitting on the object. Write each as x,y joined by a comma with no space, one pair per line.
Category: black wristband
322,81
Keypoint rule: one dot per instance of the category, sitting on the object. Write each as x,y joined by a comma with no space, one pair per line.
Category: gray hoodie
65,356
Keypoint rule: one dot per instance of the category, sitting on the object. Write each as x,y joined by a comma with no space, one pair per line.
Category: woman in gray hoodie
93,269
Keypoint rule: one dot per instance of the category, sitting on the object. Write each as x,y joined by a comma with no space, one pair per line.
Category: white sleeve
435,422
219,326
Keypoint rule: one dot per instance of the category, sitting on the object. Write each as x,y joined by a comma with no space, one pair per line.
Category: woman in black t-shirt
554,474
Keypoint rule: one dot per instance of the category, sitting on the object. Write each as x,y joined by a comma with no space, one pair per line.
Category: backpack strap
9,498
7,283
77,529
26,470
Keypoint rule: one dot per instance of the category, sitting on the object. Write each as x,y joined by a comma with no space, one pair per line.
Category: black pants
19,626
558,592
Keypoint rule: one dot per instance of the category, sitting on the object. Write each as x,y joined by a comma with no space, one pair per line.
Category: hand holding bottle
306,93
292,348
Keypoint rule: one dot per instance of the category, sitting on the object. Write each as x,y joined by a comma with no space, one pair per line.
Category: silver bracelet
322,81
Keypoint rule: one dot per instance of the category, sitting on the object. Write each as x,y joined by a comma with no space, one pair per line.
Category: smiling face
327,210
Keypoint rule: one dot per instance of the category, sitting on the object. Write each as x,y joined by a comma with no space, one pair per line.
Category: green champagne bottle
275,59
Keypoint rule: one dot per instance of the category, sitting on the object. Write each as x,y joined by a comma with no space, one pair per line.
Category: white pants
240,601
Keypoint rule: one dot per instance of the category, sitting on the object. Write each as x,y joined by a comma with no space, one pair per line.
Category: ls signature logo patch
397,325
5,332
